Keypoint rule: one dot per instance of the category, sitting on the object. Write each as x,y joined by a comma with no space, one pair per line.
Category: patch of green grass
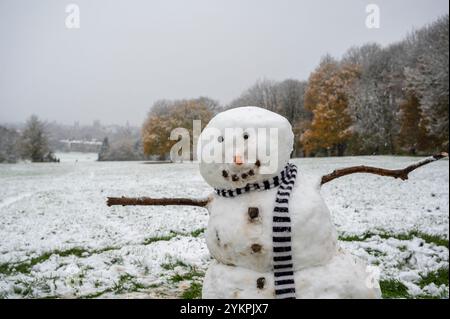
438,277
173,234
172,265
117,260
126,283
102,250
362,237
402,248
150,240
197,232
154,286
193,292
25,290
24,267
96,294
17,290
393,289
78,252
190,275
5,269
375,252
431,239
428,238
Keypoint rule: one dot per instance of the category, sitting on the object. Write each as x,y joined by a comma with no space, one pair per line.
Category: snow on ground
59,239
76,157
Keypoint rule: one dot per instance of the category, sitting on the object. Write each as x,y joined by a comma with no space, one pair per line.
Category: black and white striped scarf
283,267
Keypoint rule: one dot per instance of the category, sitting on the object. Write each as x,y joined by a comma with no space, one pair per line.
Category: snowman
270,232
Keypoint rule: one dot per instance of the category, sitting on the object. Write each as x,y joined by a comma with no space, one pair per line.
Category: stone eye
245,136
220,139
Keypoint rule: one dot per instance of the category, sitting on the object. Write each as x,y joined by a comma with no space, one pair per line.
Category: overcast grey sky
127,53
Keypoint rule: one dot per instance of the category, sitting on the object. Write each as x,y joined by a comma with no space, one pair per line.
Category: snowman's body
342,277
232,233
239,237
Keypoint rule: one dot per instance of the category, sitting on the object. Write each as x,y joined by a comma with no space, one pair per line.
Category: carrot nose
238,160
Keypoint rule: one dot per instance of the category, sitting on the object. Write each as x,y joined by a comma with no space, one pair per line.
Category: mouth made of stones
241,176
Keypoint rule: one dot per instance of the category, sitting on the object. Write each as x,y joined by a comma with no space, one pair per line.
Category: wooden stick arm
148,201
396,173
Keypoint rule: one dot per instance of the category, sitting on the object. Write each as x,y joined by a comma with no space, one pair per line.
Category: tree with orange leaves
326,97
168,115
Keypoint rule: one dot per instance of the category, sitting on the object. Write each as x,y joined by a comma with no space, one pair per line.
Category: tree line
30,144
36,141
374,100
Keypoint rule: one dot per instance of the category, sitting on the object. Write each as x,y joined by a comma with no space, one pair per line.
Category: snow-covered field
59,239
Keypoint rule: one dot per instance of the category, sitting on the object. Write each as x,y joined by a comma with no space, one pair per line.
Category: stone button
256,248
260,282
253,212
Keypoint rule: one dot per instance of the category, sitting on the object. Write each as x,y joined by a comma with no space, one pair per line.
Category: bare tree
428,75
8,145
290,99
263,94
372,99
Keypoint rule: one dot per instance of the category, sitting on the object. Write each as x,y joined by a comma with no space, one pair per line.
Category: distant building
91,146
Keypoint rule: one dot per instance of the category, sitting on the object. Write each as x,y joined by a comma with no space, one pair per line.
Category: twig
396,173
147,201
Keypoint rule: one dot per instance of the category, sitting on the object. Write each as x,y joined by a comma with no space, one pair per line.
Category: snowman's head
244,145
